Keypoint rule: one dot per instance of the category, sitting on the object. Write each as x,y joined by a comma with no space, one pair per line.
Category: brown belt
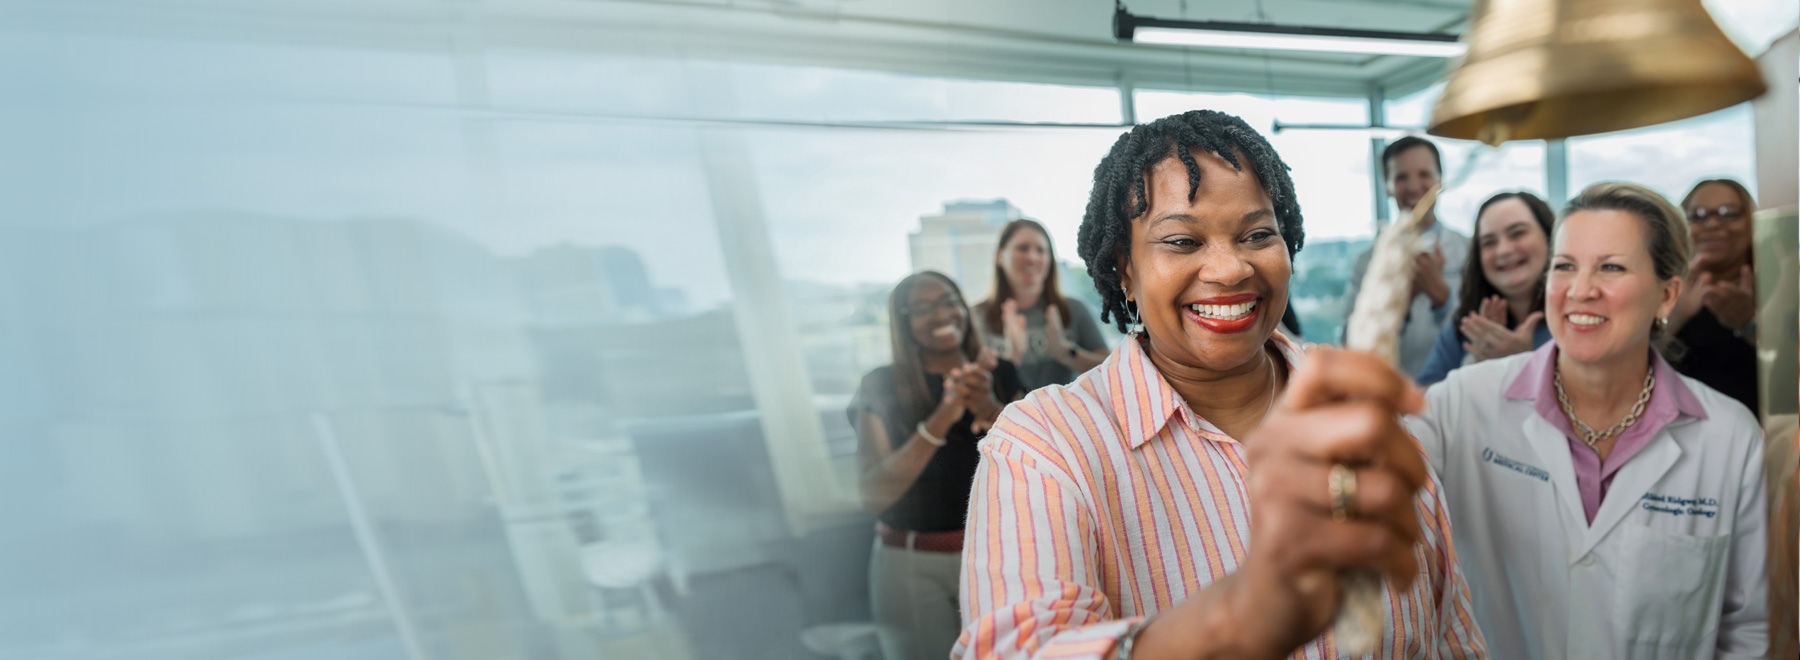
951,541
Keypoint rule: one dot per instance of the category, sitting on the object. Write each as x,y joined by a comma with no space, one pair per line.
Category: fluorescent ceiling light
1270,41
1384,132
1259,36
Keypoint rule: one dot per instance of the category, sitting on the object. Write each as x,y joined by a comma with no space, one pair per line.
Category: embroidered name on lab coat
1510,464
1679,506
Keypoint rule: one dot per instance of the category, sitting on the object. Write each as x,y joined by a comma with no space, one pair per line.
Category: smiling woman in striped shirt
1177,501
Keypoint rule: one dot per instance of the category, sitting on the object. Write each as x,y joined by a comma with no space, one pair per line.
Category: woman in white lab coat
1603,505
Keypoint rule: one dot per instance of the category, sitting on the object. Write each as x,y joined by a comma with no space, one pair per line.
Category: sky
599,149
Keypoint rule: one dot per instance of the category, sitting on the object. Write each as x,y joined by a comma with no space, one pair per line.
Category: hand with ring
1333,475
1332,481
1342,486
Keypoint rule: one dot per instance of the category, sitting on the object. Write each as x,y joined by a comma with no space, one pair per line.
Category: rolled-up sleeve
1030,586
1446,356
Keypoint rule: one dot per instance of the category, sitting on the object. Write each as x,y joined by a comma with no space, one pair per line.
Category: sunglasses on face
1725,214
951,301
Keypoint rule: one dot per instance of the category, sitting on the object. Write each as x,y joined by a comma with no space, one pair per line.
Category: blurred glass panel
291,369
1672,157
319,353
661,88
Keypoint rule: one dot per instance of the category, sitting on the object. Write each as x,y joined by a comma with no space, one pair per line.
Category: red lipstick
1222,326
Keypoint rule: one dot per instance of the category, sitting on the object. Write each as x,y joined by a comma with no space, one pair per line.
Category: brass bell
1545,69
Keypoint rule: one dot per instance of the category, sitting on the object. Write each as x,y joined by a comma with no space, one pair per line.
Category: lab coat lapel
1553,450
1630,484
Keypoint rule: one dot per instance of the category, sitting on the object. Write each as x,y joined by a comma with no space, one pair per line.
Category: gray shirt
1037,368
1419,335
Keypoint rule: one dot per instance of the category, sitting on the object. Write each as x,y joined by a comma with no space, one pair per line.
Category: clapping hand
1694,288
1012,327
972,386
1488,336
1428,276
1733,302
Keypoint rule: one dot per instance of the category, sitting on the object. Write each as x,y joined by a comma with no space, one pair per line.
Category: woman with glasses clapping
1715,319
917,421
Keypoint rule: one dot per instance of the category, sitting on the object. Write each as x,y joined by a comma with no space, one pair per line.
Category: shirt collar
1536,383
1144,402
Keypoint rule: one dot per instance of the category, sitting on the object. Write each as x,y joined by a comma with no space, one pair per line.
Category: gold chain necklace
1588,434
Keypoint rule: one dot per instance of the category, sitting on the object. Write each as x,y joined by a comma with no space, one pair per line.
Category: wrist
1440,294
1126,646
1747,332
1204,626
989,408
933,439
940,421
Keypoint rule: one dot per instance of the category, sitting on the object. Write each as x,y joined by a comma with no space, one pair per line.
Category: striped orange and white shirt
1107,500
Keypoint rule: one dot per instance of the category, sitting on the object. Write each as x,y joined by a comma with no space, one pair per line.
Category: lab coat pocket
1670,586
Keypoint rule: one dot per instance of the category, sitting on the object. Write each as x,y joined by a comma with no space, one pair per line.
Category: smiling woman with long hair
1027,319
1174,501
1500,309
917,421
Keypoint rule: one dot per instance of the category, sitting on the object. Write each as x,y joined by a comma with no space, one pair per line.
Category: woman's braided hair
1120,192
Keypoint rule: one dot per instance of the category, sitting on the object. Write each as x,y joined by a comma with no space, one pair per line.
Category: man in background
1411,166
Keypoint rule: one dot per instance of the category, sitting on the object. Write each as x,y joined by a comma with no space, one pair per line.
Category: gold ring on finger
1342,485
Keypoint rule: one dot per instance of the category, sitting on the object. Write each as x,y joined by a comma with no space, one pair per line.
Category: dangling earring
1133,324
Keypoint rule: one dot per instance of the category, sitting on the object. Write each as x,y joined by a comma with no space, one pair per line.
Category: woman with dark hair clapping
1715,320
917,421
1501,309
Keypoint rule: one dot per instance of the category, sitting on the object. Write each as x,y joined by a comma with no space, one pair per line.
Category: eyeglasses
951,301
1725,214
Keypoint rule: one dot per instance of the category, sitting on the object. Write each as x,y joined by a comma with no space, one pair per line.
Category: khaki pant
913,596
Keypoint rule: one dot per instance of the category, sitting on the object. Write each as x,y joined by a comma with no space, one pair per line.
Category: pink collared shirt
1107,500
1670,400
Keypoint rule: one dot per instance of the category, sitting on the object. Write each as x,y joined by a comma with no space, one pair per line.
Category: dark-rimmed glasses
949,301
1725,214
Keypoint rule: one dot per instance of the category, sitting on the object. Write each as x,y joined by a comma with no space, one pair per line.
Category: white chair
625,566
844,641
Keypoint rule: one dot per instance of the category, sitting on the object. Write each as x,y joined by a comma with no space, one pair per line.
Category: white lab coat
1641,582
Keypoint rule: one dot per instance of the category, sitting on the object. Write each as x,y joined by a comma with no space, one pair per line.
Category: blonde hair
1665,230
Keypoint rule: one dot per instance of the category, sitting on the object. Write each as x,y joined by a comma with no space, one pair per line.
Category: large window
1670,158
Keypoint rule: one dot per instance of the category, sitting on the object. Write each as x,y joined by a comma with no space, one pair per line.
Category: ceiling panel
1046,41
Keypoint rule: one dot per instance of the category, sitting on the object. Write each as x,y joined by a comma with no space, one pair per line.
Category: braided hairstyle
1120,194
